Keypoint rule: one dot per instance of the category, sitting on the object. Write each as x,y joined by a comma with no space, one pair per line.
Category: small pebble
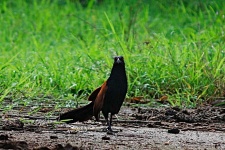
53,137
167,143
4,137
174,131
105,138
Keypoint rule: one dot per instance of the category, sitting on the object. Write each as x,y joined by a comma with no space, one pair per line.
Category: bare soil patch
138,128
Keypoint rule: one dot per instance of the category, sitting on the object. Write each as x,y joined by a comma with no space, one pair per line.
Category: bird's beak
118,61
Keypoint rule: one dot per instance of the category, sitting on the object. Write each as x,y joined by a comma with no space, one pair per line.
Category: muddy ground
137,128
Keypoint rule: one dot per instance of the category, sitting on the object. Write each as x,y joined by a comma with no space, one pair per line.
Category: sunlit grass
61,50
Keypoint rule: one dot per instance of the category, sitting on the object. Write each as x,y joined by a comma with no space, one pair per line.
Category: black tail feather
81,114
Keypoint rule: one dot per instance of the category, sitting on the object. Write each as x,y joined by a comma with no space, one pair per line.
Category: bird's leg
109,123
108,118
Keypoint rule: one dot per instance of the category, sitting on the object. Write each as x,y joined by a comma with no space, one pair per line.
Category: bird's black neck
118,73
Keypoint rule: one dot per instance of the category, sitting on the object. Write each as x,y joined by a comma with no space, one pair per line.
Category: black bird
108,98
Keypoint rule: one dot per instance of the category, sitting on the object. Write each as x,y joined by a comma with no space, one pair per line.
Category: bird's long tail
81,114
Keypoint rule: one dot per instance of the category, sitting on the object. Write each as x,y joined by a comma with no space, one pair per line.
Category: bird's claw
110,132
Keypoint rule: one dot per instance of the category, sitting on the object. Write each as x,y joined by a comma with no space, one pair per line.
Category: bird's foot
110,131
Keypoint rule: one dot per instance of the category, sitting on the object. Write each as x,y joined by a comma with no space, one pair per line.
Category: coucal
108,98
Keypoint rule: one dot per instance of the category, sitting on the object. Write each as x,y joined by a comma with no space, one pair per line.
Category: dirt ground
137,128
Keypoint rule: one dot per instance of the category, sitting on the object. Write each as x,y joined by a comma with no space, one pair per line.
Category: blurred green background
58,51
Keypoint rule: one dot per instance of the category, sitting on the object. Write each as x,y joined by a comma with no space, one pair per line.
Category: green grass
57,52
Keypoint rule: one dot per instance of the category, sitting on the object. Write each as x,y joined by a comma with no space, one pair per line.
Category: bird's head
118,60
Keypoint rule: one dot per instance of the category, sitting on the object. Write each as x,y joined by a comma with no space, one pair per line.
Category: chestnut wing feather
98,103
94,94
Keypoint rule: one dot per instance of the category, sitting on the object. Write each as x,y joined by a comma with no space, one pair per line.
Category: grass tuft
62,50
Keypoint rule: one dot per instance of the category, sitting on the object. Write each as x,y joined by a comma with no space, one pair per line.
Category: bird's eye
118,58
121,57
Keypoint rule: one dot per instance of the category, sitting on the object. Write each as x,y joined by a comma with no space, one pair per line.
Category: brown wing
98,103
94,94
